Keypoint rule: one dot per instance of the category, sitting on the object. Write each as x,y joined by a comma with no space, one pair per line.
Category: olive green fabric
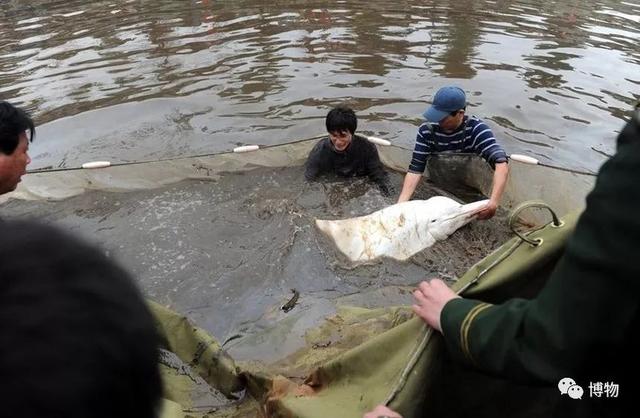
198,349
171,409
379,371
401,366
202,356
521,272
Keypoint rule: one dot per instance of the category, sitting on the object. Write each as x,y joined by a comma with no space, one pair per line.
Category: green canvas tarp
380,356
355,358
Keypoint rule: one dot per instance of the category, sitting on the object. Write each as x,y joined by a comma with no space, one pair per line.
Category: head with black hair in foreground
77,339
14,145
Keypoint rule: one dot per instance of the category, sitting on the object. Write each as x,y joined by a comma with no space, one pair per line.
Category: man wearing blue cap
448,129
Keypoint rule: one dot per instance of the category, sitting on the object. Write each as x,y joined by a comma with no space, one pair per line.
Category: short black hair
341,119
13,122
77,339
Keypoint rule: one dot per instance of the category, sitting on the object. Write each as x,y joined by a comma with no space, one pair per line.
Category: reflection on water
554,79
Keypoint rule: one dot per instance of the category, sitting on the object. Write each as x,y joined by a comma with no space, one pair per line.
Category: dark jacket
359,159
584,323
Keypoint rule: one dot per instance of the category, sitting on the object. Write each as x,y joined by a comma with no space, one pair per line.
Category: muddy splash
227,252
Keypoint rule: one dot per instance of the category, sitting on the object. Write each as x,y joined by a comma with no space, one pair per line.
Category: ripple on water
551,70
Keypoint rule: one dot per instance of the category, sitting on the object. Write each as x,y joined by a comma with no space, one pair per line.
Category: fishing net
228,241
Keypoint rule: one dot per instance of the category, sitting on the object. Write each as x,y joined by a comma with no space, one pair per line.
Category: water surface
136,80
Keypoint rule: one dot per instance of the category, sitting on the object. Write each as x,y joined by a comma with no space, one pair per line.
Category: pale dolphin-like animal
401,230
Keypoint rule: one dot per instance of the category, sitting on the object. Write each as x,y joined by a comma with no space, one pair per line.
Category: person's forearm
500,177
411,181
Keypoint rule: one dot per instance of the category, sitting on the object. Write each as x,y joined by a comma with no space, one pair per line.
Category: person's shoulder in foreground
78,338
14,145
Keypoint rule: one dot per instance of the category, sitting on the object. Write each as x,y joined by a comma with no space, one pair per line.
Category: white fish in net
401,230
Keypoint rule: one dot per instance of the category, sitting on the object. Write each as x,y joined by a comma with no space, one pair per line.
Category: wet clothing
473,136
359,159
584,323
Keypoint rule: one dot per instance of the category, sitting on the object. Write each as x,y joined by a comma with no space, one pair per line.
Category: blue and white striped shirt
472,136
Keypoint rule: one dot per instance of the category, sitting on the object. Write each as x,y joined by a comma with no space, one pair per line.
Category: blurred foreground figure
76,338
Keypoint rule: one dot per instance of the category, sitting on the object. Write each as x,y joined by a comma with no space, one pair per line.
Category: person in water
344,153
448,129
14,145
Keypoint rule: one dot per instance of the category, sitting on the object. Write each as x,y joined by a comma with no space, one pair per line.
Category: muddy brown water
228,252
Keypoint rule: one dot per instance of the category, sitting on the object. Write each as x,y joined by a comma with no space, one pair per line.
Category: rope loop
513,217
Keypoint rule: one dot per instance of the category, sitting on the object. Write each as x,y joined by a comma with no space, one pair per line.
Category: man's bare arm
500,176
411,181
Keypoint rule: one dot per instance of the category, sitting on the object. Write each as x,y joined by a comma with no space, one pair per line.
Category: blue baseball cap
448,99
